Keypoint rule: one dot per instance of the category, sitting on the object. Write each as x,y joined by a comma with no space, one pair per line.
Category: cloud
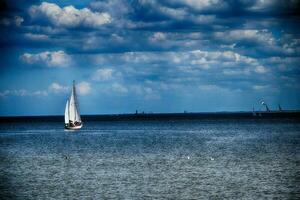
234,72
48,58
105,74
148,93
277,6
196,59
17,21
116,8
209,87
247,35
184,69
117,87
260,69
36,37
260,87
201,5
57,88
69,16
83,88
23,93
158,36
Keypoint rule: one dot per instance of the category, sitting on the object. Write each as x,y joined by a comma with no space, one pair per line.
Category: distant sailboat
279,108
267,107
72,116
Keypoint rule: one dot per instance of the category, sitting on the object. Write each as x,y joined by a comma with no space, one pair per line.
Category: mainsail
67,113
73,106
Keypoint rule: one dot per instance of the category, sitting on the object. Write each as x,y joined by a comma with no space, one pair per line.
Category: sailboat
72,116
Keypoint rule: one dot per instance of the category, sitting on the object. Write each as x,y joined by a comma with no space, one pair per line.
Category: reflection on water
151,160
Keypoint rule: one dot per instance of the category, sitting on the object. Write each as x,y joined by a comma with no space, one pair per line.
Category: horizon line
159,113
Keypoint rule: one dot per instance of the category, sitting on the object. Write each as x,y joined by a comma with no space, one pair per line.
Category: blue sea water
193,159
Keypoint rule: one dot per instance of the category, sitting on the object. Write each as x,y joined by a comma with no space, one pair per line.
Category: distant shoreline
160,116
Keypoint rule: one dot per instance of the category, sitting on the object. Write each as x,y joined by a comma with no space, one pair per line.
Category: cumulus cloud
48,58
69,16
186,68
196,58
248,35
83,88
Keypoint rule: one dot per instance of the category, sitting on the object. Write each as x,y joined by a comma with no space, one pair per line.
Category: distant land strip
160,116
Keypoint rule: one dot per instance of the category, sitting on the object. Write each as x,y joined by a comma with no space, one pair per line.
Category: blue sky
149,55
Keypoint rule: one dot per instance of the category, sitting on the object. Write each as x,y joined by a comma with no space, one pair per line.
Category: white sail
67,113
72,107
78,119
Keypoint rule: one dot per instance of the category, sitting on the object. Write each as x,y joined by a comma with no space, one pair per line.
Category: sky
149,55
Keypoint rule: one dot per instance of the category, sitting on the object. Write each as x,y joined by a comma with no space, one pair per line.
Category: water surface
193,159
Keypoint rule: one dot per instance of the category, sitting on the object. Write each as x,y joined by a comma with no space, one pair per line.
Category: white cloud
57,88
204,4
204,19
195,57
83,88
36,37
48,58
192,63
106,74
260,69
260,36
69,16
23,93
146,92
151,94
260,87
158,36
40,93
232,72
119,88
263,4
178,14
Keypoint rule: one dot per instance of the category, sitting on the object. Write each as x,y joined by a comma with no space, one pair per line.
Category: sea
151,159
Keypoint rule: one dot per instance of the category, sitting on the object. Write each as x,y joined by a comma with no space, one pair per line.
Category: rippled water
221,159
